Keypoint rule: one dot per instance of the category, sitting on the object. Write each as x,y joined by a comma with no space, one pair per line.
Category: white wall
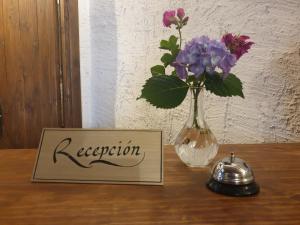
98,62
119,43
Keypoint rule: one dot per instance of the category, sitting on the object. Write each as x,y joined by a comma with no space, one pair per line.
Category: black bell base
233,190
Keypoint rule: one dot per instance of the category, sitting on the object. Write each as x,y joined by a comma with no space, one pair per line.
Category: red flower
180,13
169,18
237,44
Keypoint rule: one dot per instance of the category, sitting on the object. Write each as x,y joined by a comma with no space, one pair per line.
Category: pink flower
180,13
237,44
169,18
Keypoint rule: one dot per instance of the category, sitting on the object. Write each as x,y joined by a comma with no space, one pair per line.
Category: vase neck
196,116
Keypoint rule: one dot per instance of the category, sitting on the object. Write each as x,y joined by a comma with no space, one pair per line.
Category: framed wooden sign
100,156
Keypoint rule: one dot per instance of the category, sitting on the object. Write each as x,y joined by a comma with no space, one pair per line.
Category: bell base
233,190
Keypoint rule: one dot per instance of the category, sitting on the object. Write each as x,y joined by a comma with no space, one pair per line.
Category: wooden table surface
184,199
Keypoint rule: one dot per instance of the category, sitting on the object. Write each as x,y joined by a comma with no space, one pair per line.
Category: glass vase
195,144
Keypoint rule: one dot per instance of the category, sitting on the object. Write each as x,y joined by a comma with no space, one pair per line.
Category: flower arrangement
202,63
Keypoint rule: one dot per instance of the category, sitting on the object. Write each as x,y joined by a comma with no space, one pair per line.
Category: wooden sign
100,156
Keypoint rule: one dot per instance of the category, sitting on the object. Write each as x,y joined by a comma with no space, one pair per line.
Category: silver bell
232,176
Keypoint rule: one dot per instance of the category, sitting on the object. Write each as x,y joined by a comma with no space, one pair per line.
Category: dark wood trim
70,63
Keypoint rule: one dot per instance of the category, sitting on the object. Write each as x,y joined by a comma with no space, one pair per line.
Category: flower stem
180,37
196,92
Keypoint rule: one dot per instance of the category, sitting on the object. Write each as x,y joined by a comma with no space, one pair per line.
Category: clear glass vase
195,144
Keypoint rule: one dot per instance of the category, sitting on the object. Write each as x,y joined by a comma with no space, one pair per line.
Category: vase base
196,157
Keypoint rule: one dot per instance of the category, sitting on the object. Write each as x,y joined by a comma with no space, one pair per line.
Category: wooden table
184,199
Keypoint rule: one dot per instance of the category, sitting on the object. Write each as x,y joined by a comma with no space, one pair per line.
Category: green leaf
230,86
174,73
190,79
173,47
167,59
164,44
170,45
164,91
173,41
235,85
158,70
175,52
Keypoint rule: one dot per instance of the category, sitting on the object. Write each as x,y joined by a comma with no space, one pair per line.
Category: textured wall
98,61
119,41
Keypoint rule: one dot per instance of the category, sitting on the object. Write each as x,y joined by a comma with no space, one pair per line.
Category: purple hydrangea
204,55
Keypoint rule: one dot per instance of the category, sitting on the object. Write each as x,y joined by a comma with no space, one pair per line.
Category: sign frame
35,178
